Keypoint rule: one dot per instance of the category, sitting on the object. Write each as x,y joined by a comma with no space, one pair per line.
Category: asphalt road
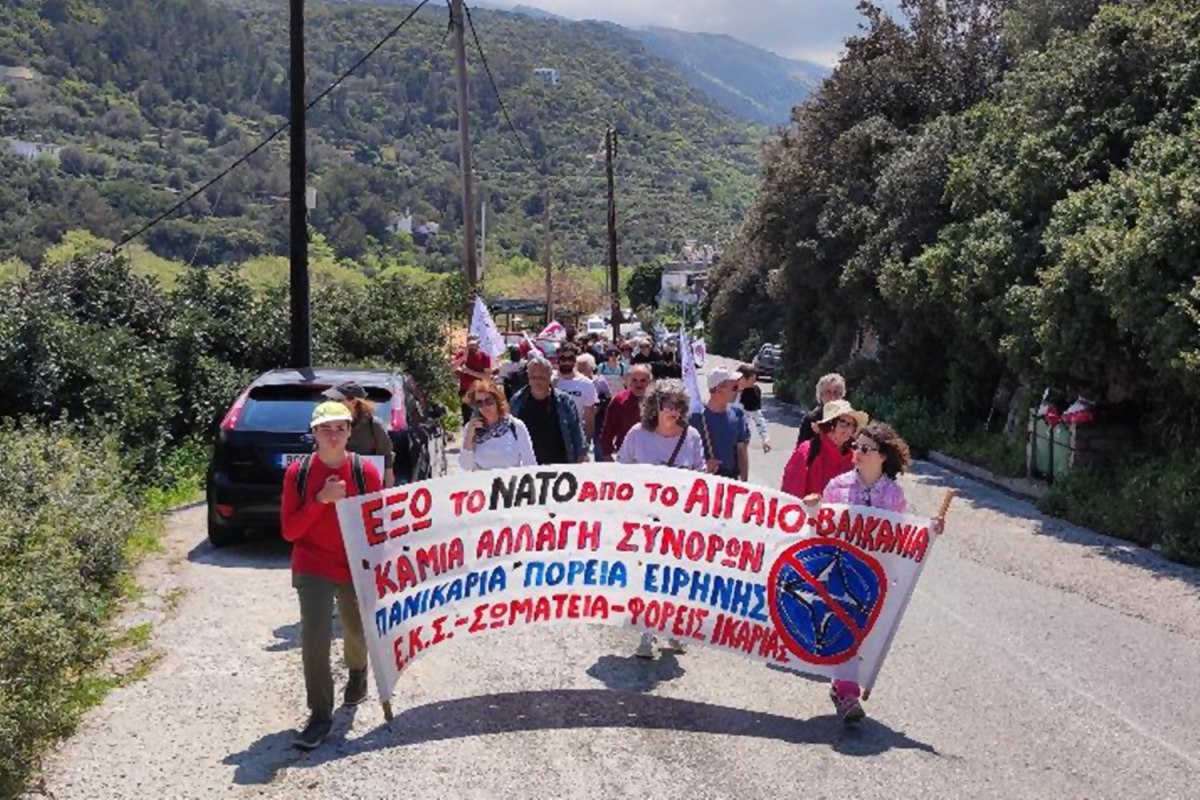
1037,660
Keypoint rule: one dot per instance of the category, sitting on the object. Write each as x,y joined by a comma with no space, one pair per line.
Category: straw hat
841,408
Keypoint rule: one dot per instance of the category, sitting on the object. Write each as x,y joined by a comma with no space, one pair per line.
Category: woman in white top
663,437
494,439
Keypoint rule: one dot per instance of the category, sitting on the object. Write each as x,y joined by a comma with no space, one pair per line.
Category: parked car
267,428
595,325
767,360
547,346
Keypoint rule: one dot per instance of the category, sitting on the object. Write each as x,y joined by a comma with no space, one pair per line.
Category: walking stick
387,712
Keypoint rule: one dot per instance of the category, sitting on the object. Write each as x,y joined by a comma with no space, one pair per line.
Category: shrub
65,525
920,422
1144,501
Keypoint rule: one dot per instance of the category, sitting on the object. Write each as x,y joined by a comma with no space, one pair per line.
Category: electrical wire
495,88
270,138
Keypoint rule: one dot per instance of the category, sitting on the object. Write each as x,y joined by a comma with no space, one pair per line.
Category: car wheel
224,535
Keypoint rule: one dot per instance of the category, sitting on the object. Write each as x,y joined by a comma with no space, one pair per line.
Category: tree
644,285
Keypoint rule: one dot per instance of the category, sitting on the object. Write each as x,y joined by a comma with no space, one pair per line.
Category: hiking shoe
356,688
314,734
646,648
676,646
848,707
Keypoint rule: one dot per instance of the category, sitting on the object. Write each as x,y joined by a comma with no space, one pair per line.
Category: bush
65,527
1145,501
1000,454
924,426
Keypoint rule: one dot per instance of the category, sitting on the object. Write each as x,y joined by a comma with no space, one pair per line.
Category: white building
547,74
33,150
683,281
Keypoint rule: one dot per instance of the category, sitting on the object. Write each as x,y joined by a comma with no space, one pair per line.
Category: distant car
267,428
548,346
595,325
767,360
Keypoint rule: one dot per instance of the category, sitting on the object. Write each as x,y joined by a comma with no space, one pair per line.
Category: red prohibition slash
788,557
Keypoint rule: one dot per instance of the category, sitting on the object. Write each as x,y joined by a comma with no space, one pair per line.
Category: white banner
483,326
710,561
699,352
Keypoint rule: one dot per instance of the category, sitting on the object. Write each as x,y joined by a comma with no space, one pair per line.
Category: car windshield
289,408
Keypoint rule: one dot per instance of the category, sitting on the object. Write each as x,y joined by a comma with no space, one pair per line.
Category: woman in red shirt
320,569
818,461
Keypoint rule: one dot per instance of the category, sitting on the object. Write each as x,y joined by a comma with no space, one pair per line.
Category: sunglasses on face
865,449
847,423
565,363
485,401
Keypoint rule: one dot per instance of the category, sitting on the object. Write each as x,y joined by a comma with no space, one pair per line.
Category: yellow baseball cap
331,411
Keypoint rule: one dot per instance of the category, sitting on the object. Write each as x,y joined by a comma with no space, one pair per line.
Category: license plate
285,460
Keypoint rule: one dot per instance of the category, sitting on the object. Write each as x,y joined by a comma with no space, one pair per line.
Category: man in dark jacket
831,387
551,417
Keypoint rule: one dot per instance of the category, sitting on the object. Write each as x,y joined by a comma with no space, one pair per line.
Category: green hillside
150,99
753,83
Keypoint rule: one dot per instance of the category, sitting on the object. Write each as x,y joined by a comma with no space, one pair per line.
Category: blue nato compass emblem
825,597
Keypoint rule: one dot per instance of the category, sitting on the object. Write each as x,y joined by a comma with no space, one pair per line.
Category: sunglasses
847,423
865,449
485,401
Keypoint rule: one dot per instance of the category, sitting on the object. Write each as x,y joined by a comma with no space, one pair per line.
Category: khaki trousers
317,596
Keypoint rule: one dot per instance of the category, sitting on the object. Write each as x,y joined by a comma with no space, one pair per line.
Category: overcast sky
807,29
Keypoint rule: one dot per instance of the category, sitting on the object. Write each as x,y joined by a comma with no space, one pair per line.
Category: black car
268,427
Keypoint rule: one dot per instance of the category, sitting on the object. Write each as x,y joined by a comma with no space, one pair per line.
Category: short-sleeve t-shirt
751,398
478,361
580,389
725,430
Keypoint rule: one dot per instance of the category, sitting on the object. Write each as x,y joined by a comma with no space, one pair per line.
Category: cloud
808,29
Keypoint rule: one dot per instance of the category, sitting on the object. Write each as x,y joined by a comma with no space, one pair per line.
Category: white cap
718,376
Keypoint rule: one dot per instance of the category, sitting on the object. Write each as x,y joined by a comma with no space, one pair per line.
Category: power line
272,137
495,88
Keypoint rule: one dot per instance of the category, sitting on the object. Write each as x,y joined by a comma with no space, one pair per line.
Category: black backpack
356,469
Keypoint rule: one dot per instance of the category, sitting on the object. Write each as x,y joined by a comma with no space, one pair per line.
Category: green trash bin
1041,448
1061,450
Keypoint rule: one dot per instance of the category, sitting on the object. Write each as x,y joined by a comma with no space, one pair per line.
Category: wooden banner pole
946,501
387,711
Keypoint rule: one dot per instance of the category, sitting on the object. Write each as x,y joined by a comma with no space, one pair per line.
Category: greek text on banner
707,560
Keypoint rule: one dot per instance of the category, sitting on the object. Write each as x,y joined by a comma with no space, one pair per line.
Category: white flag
687,360
483,326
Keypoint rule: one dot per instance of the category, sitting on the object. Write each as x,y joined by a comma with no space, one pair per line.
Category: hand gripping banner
711,561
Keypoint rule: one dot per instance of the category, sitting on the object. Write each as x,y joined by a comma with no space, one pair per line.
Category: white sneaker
676,646
645,648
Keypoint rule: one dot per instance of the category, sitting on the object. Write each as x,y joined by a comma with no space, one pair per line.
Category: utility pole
459,21
483,235
547,259
301,322
614,280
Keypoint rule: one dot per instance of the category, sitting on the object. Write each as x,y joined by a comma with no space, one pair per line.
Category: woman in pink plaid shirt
880,455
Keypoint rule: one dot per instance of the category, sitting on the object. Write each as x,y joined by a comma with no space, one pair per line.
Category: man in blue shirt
723,428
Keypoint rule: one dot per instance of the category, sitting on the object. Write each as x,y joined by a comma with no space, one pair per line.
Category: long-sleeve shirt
802,479
849,489
312,527
624,411
503,445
